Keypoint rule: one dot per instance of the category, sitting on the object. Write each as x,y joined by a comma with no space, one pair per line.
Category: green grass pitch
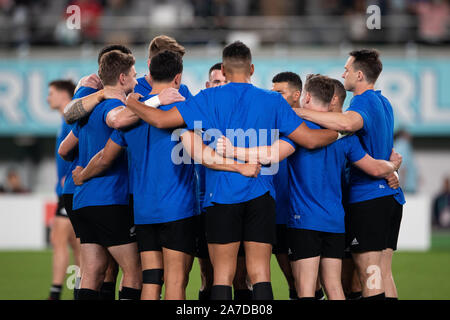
418,275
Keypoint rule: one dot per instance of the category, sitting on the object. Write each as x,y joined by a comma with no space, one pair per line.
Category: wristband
153,102
341,135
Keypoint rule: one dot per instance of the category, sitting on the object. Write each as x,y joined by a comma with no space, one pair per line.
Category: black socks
55,292
243,295
108,291
262,291
129,294
87,294
219,292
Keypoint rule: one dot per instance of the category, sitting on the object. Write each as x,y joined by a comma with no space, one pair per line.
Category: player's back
112,186
315,179
249,117
376,136
163,184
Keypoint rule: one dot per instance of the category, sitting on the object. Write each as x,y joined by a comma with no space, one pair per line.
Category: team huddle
154,176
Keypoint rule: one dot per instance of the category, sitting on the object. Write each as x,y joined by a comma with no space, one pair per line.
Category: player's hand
133,97
170,95
396,158
77,176
393,180
250,170
224,147
92,81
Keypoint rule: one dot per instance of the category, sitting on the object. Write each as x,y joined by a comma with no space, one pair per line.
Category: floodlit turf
419,275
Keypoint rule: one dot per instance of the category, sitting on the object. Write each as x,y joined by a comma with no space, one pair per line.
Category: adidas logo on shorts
354,242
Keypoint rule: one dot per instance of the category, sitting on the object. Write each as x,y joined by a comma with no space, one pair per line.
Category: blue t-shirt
69,186
144,88
166,189
258,113
280,181
315,184
112,187
62,167
376,136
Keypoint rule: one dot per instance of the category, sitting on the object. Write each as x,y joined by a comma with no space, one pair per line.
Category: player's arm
277,152
349,121
98,164
313,138
121,117
155,117
379,168
201,153
80,108
67,147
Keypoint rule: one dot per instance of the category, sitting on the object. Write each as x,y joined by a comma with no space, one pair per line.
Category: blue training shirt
280,181
251,110
166,189
376,136
315,179
62,167
112,187
69,186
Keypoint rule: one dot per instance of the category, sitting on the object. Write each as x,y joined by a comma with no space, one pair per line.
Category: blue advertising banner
417,89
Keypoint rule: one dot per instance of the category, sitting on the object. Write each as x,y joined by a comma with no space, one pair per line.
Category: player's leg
367,230
391,246
259,227
332,252
177,265
116,231
108,288
206,270
280,249
95,261
223,234
59,237
76,247
147,236
240,284
304,253
350,279
177,239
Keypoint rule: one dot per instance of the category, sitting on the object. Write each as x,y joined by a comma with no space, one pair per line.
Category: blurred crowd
43,21
13,183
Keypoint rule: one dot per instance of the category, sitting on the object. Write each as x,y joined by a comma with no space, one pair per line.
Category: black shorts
201,246
106,225
68,202
179,235
61,209
253,220
281,246
373,225
305,244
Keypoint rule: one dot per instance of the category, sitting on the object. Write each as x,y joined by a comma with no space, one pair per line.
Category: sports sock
204,295
319,295
354,295
108,291
380,296
262,291
293,294
243,294
219,292
55,292
129,294
77,288
87,294
307,298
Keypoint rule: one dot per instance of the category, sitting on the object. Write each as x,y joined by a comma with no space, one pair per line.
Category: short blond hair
163,43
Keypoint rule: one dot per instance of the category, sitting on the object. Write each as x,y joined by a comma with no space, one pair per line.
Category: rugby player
238,208
375,209
104,217
60,92
166,227
316,232
86,86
